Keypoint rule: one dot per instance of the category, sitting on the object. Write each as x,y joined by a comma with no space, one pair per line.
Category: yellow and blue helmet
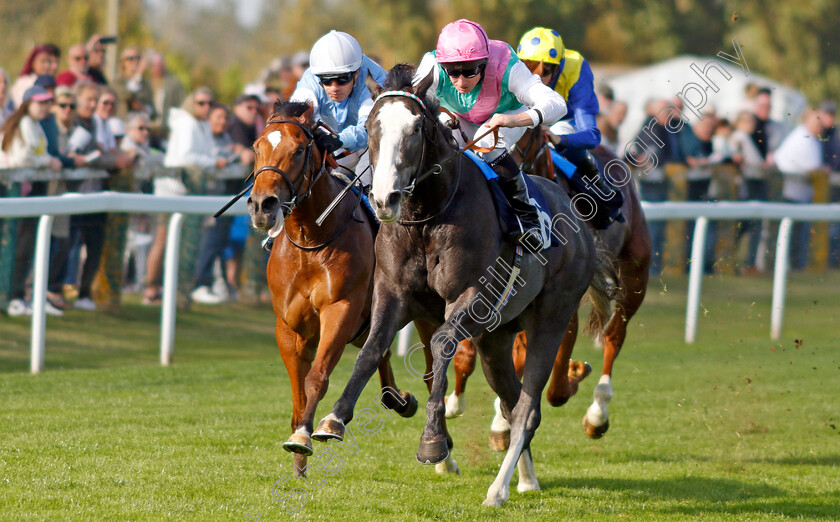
541,44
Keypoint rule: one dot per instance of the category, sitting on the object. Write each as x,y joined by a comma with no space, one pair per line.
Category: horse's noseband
296,198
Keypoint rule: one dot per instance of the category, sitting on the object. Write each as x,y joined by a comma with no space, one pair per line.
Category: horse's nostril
394,199
270,204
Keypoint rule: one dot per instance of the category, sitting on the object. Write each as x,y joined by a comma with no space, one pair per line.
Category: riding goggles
469,72
341,79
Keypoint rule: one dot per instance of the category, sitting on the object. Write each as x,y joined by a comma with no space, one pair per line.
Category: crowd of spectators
759,150
77,117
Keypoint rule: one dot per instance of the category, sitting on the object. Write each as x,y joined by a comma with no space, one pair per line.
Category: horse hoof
411,406
448,466
499,440
595,432
579,370
299,443
329,429
432,452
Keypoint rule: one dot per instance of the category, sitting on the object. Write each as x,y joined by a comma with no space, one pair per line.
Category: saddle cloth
507,217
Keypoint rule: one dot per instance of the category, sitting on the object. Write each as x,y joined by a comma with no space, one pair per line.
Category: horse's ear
374,88
424,85
306,116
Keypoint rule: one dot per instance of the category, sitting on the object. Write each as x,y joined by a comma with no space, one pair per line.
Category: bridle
528,166
437,168
297,198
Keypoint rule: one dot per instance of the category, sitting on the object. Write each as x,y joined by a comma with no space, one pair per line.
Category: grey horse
441,257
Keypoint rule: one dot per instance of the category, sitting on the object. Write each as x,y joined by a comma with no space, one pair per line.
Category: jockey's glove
328,142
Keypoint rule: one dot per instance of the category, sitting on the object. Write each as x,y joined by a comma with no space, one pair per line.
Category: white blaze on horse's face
390,177
274,138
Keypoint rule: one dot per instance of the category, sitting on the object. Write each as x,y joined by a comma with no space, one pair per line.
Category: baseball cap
242,98
37,93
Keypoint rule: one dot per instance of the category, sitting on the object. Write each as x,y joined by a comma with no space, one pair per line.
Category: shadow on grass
707,495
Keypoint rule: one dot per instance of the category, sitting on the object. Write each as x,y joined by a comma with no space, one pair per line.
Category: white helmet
335,53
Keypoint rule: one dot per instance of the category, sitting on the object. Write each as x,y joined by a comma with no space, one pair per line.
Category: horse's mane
288,109
400,78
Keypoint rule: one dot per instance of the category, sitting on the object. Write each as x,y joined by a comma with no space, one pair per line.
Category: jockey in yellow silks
568,73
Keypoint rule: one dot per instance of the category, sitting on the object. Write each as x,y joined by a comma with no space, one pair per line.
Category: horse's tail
603,292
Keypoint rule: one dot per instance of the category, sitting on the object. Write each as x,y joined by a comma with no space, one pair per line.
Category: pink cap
462,41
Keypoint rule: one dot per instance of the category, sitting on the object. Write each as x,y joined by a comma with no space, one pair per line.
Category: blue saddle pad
507,217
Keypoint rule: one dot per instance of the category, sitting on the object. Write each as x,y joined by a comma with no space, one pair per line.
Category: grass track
735,427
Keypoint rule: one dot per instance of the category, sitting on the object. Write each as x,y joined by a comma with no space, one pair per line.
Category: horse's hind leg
298,361
634,278
567,374
464,365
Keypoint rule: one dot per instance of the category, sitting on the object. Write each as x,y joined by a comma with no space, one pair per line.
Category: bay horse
629,242
320,277
440,243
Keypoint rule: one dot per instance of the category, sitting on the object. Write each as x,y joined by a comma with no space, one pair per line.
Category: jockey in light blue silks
334,85
484,84
568,73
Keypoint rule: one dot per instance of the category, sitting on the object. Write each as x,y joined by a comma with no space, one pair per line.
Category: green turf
735,427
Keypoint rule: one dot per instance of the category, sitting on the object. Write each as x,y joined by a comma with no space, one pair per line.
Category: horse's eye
417,128
300,149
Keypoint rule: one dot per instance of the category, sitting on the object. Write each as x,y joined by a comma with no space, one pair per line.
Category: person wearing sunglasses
484,84
334,84
568,73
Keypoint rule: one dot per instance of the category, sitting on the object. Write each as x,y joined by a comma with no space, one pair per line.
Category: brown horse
629,242
321,278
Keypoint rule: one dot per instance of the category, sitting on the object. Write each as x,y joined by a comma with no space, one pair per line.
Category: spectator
831,147
51,127
89,229
753,180
243,126
653,149
167,92
6,105
96,55
104,117
64,116
609,121
133,92
216,231
137,139
24,144
43,59
797,157
701,157
191,145
768,133
77,70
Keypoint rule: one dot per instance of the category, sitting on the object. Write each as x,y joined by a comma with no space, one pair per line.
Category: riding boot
513,185
597,187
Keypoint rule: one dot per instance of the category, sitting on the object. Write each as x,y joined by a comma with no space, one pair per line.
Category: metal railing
50,206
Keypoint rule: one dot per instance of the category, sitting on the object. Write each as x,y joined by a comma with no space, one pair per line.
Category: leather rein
297,198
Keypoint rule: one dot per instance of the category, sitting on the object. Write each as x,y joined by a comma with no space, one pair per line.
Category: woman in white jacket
24,144
190,145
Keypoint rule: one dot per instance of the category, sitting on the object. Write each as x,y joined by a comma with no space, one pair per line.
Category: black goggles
341,79
548,69
469,72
